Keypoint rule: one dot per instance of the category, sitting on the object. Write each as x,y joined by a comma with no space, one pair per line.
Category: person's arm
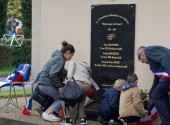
55,71
70,72
138,103
113,100
155,83
37,77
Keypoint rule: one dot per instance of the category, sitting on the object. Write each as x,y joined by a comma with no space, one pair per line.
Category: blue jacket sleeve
114,101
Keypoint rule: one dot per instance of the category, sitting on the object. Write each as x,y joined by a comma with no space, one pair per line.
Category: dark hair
67,47
131,78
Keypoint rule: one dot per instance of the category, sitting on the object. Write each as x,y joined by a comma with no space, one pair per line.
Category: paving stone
15,114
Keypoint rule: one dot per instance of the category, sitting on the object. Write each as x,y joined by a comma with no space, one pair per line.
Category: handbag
72,92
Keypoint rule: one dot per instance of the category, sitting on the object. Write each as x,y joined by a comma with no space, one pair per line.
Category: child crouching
109,105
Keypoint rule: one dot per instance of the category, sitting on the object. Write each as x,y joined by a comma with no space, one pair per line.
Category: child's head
119,83
132,78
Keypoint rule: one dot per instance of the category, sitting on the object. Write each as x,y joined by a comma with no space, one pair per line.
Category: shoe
56,114
123,122
25,111
115,122
104,122
40,110
111,122
50,117
83,121
67,121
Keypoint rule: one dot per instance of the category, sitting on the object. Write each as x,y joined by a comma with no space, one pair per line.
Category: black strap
86,68
77,113
66,106
74,79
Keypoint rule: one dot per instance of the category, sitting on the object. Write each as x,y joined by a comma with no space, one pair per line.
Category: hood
87,66
57,53
128,85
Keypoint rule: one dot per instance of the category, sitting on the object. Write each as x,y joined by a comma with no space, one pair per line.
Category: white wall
70,20
36,37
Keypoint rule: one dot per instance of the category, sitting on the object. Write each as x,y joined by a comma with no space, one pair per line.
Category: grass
5,71
19,93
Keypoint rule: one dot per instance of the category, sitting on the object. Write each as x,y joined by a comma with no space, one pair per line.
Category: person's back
51,70
109,105
81,73
131,103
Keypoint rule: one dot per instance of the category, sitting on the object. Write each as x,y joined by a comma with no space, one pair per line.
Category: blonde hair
118,83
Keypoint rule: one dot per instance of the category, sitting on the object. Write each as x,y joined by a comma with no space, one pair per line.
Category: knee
38,96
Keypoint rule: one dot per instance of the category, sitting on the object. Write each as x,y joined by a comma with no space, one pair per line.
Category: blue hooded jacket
109,102
52,70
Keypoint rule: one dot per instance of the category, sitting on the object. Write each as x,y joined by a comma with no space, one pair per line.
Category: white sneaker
50,117
124,123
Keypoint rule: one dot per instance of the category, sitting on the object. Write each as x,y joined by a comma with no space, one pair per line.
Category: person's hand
149,101
146,112
65,81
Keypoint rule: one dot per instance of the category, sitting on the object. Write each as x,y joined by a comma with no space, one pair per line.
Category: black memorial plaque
112,42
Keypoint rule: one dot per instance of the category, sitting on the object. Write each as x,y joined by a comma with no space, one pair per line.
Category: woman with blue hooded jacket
50,80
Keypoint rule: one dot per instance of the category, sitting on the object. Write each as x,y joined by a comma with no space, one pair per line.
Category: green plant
5,54
22,54
15,56
14,8
26,8
144,94
3,16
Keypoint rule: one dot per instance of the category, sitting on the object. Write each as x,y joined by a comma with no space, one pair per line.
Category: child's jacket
131,103
109,102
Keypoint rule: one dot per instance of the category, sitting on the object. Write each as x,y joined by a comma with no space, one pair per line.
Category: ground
34,118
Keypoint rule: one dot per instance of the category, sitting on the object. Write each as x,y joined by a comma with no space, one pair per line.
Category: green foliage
5,54
22,54
14,9
3,17
144,94
15,56
27,17
5,71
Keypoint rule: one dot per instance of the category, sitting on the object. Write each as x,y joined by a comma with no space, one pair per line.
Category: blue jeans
52,92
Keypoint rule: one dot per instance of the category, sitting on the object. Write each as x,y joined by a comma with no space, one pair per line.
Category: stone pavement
14,114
